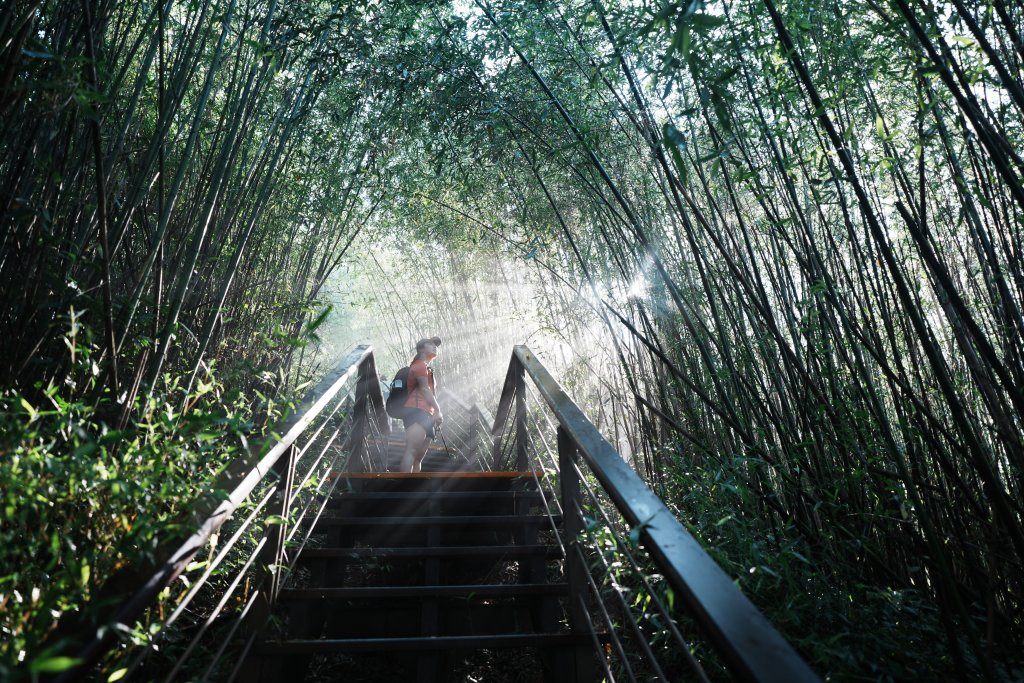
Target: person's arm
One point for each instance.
(424, 390)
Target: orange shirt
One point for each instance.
(419, 369)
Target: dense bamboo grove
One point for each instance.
(801, 228)
(153, 200)
(782, 239)
(178, 181)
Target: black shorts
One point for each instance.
(415, 416)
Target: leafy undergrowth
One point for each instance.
(847, 628)
(82, 500)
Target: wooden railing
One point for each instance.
(225, 599)
(634, 571)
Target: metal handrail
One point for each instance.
(748, 644)
(276, 460)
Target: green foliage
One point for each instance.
(786, 232)
(882, 632)
(83, 500)
(771, 233)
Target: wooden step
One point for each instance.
(404, 619)
(503, 641)
(441, 502)
(434, 481)
(340, 474)
(471, 591)
(444, 520)
(502, 551)
(532, 494)
(399, 441)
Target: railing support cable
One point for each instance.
(213, 615)
(576, 569)
(521, 437)
(211, 511)
(616, 642)
(638, 570)
(279, 533)
(222, 552)
(749, 645)
(609, 677)
(626, 615)
(501, 414)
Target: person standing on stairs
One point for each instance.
(423, 414)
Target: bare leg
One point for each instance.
(415, 446)
(417, 465)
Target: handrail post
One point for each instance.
(273, 552)
(749, 646)
(281, 507)
(357, 443)
(522, 456)
(375, 395)
(576, 577)
(514, 380)
(272, 561)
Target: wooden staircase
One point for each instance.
(428, 577)
(452, 574)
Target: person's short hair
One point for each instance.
(436, 341)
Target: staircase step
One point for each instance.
(399, 450)
(459, 591)
(512, 640)
(401, 482)
(394, 460)
(550, 552)
(403, 619)
(399, 443)
(433, 495)
(395, 467)
(438, 505)
(438, 475)
(441, 502)
(452, 520)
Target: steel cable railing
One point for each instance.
(203, 628)
(610, 579)
(509, 450)
(374, 451)
(483, 440)
(320, 455)
(638, 581)
(608, 551)
(195, 588)
(547, 461)
(610, 613)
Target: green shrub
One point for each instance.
(82, 500)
